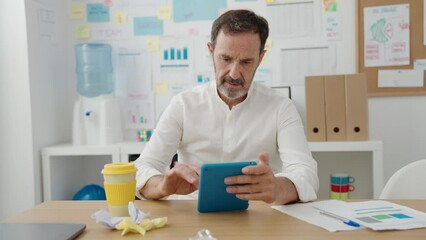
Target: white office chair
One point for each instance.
(407, 183)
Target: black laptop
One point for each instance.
(40, 231)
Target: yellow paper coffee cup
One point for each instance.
(120, 187)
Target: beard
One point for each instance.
(230, 92)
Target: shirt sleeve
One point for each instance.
(298, 164)
(157, 155)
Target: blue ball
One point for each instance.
(90, 192)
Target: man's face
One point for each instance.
(235, 58)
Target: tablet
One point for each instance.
(212, 195)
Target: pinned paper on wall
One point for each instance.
(294, 19)
(140, 112)
(330, 5)
(333, 26)
(152, 44)
(263, 76)
(161, 88)
(176, 54)
(108, 3)
(77, 11)
(195, 10)
(400, 78)
(204, 77)
(120, 17)
(97, 12)
(164, 12)
(387, 35)
(133, 73)
(420, 64)
(47, 23)
(143, 26)
(83, 32)
(298, 62)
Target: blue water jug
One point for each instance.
(94, 69)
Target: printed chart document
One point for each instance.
(376, 215)
(387, 35)
(380, 215)
(309, 212)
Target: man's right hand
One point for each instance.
(182, 179)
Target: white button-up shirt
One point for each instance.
(201, 128)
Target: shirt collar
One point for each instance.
(213, 87)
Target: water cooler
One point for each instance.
(96, 118)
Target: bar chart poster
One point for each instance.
(175, 55)
(140, 113)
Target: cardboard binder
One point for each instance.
(315, 108)
(335, 107)
(356, 107)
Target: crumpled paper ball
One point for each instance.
(138, 222)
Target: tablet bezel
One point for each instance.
(212, 195)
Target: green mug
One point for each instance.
(337, 195)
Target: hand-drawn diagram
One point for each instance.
(387, 35)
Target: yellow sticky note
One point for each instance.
(83, 32)
(268, 44)
(161, 88)
(77, 12)
(152, 44)
(269, 1)
(265, 59)
(164, 12)
(120, 17)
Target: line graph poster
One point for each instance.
(387, 35)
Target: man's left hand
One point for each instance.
(259, 183)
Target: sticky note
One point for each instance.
(77, 12)
(268, 44)
(108, 3)
(152, 44)
(164, 12)
(120, 17)
(83, 32)
(269, 1)
(161, 88)
(97, 12)
(147, 26)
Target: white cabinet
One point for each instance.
(67, 168)
(349, 155)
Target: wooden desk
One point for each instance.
(258, 222)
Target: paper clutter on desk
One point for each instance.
(138, 222)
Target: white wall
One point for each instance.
(16, 149)
(35, 97)
(400, 122)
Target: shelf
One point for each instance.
(59, 160)
(352, 146)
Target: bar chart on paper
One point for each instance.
(140, 114)
(380, 215)
(175, 55)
